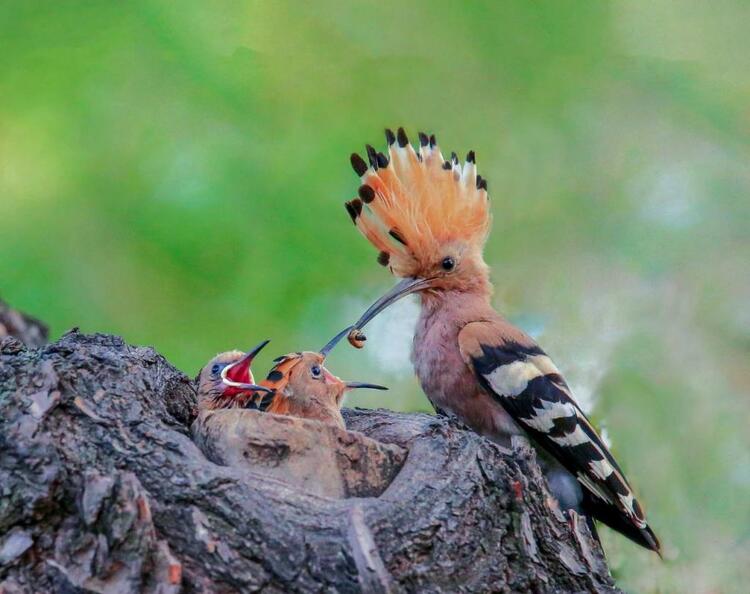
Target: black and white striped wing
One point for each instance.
(528, 385)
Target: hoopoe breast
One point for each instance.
(449, 383)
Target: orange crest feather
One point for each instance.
(411, 204)
(278, 379)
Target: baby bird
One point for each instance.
(227, 381)
(303, 387)
(304, 452)
(226, 387)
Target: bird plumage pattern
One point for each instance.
(429, 218)
(410, 203)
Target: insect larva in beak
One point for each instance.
(356, 338)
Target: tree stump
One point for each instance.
(102, 489)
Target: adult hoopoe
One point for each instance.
(429, 218)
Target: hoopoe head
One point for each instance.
(301, 378)
(428, 216)
(227, 381)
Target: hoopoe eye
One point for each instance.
(448, 263)
(316, 371)
(215, 369)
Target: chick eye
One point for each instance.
(216, 368)
(448, 263)
(315, 370)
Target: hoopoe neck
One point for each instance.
(460, 303)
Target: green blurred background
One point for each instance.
(175, 172)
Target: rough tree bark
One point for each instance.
(103, 490)
(28, 330)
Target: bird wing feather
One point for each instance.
(517, 373)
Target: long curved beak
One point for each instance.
(401, 289)
(334, 341)
(233, 375)
(355, 385)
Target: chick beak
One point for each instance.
(401, 289)
(355, 385)
(234, 375)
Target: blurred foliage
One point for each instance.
(175, 172)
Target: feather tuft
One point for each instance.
(411, 209)
(358, 164)
(366, 193)
(397, 236)
(372, 156)
(403, 140)
(351, 211)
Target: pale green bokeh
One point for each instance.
(175, 172)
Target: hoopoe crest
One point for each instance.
(422, 212)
